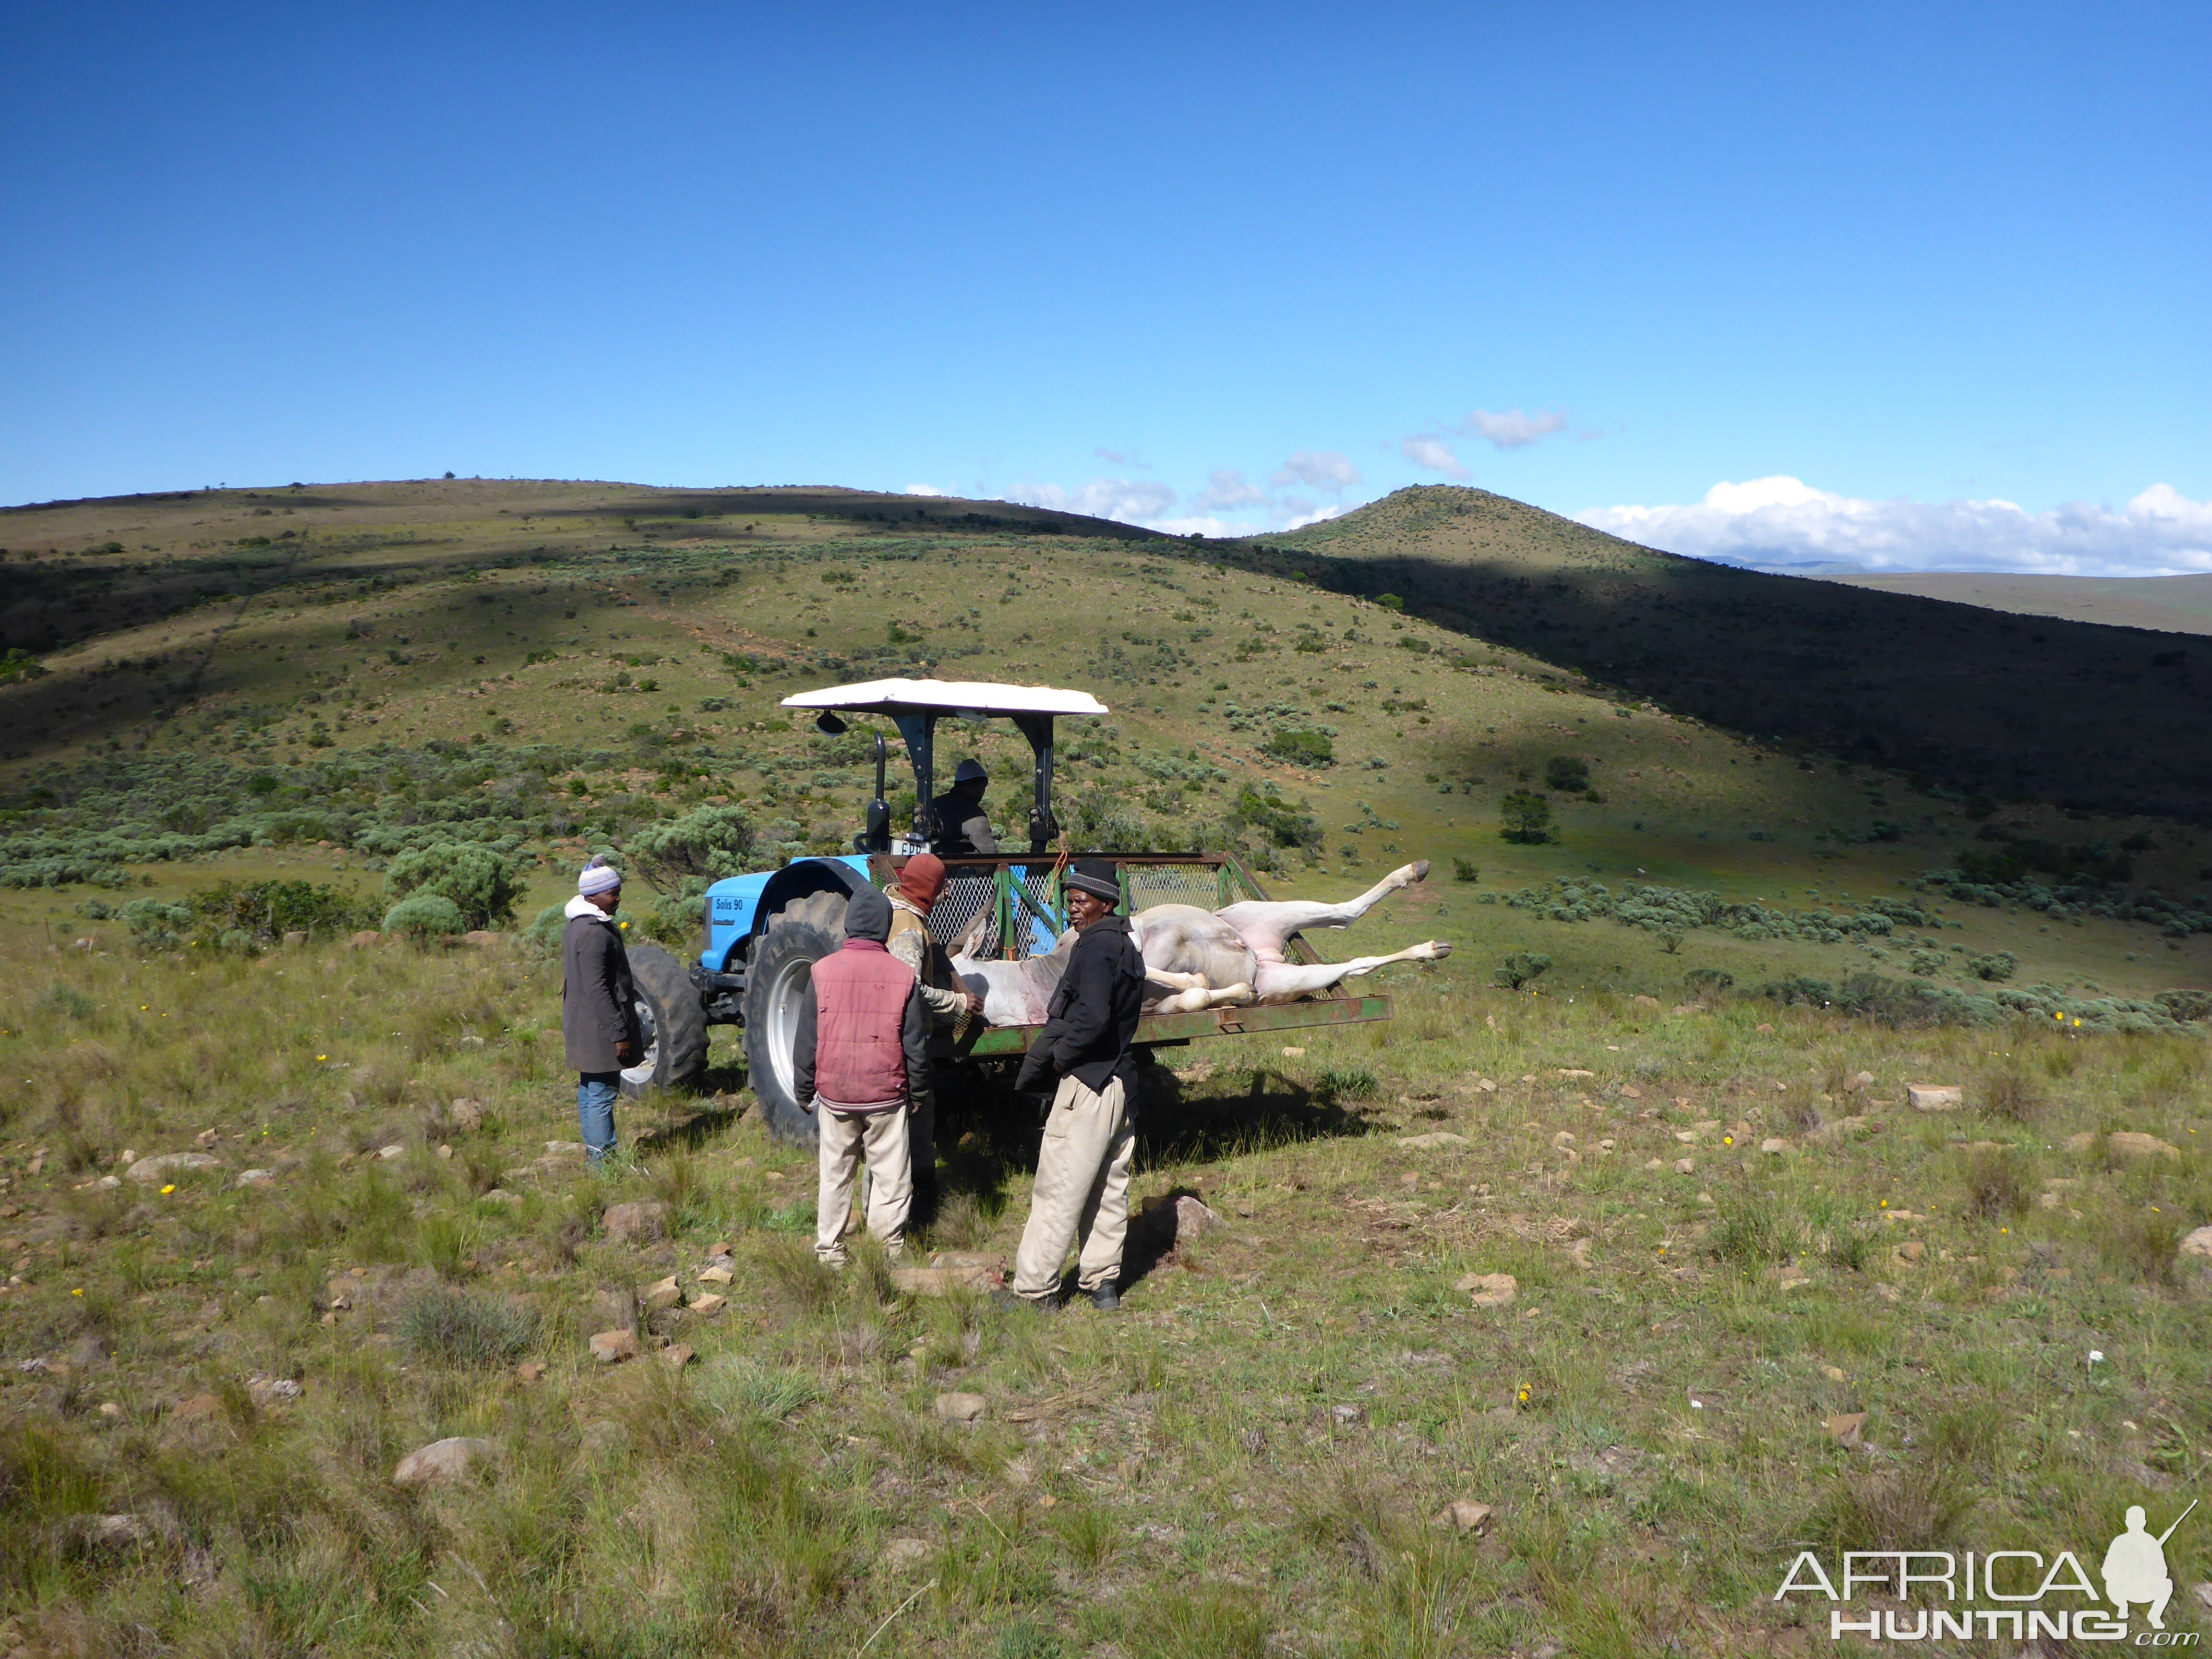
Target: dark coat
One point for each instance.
(598, 1003)
(964, 828)
(1092, 1017)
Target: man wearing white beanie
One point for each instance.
(598, 1003)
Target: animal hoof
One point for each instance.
(1420, 870)
(1441, 948)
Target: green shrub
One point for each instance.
(1462, 869)
(479, 882)
(1708, 982)
(708, 842)
(1517, 969)
(1567, 775)
(1349, 1083)
(2000, 965)
(425, 916)
(1525, 817)
(1284, 825)
(1301, 747)
(270, 909)
(154, 924)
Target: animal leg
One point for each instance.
(1287, 982)
(1195, 995)
(1265, 924)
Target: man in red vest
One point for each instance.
(862, 1059)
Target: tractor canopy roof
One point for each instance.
(956, 697)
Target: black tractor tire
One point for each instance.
(672, 1020)
(778, 975)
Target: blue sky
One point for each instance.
(1912, 285)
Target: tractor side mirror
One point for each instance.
(828, 725)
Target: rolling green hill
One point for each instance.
(313, 681)
(2170, 604)
(2087, 717)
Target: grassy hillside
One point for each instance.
(544, 668)
(1728, 1234)
(2172, 605)
(2092, 718)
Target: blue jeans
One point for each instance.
(595, 1111)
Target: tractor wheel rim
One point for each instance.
(642, 1072)
(786, 991)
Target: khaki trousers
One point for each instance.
(1082, 1188)
(847, 1141)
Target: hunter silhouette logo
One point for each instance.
(2135, 1567)
(2029, 1593)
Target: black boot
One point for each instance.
(1108, 1296)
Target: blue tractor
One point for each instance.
(765, 931)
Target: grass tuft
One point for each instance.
(1999, 1182)
(2008, 1091)
(453, 1328)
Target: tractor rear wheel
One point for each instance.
(671, 1019)
(779, 976)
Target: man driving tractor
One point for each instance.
(964, 828)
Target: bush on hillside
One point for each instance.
(707, 843)
(1465, 870)
(1525, 817)
(425, 916)
(1284, 825)
(1517, 969)
(1567, 775)
(1302, 747)
(480, 883)
(156, 924)
(267, 910)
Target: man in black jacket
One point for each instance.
(1083, 1165)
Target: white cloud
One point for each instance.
(1205, 523)
(1309, 513)
(1226, 489)
(1120, 458)
(1317, 468)
(1432, 455)
(1139, 501)
(1512, 429)
(926, 489)
(1781, 523)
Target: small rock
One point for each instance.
(1187, 1218)
(501, 1196)
(1774, 1145)
(901, 1554)
(717, 1274)
(1910, 1251)
(148, 1169)
(1630, 1091)
(1487, 1086)
(1833, 1373)
(1654, 1163)
(1347, 1416)
(86, 1352)
(1465, 1516)
(1642, 1002)
(1433, 1139)
(1686, 1166)
(1562, 1140)
(1294, 1054)
(1844, 1428)
(481, 938)
(1573, 1072)
(1860, 1080)
(394, 1151)
(564, 1149)
(642, 1222)
(612, 1347)
(530, 1370)
(666, 1294)
(367, 936)
(1763, 1029)
(207, 1138)
(257, 1178)
(443, 1460)
(961, 1407)
(2126, 1143)
(113, 1532)
(1935, 1096)
(201, 1408)
(2197, 1243)
(678, 1355)
(268, 1392)
(1489, 1290)
(1254, 1441)
(466, 1114)
(707, 1304)
(109, 1408)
